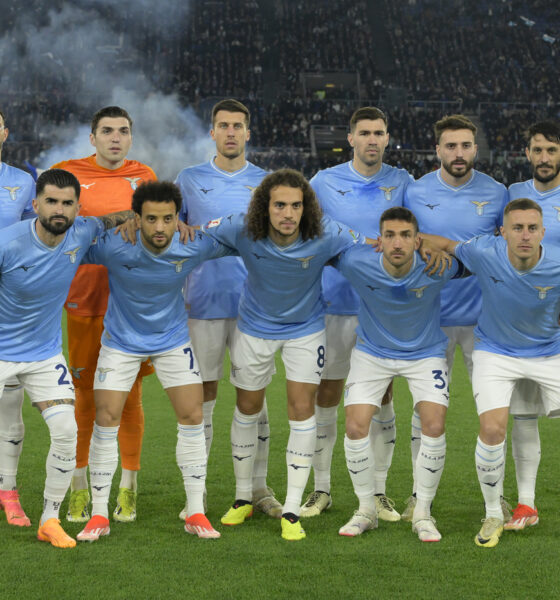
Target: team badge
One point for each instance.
(234, 370)
(76, 372)
(557, 212)
(480, 207)
(387, 192)
(102, 373)
(13, 191)
(178, 264)
(213, 223)
(543, 291)
(72, 254)
(419, 291)
(305, 261)
(133, 181)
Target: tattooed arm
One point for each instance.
(117, 218)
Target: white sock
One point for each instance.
(383, 436)
(79, 479)
(429, 467)
(490, 468)
(415, 437)
(299, 457)
(326, 438)
(243, 450)
(207, 412)
(526, 448)
(12, 431)
(103, 461)
(129, 479)
(359, 460)
(260, 467)
(61, 459)
(191, 459)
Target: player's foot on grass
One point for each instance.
(507, 511)
(51, 531)
(490, 533)
(359, 523)
(265, 502)
(241, 510)
(426, 530)
(97, 526)
(408, 512)
(125, 511)
(315, 504)
(523, 516)
(184, 513)
(291, 527)
(78, 511)
(15, 515)
(199, 525)
(386, 508)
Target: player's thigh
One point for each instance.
(209, 338)
(305, 358)
(368, 379)
(8, 374)
(48, 379)
(494, 377)
(526, 399)
(252, 361)
(340, 339)
(177, 367)
(116, 370)
(545, 373)
(427, 380)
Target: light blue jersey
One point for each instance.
(34, 284)
(17, 190)
(357, 201)
(281, 297)
(398, 318)
(146, 311)
(519, 309)
(458, 213)
(548, 201)
(214, 288)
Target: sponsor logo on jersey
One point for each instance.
(388, 192)
(204, 191)
(13, 191)
(72, 254)
(133, 181)
(213, 223)
(419, 291)
(305, 261)
(480, 207)
(343, 192)
(543, 291)
(178, 264)
(87, 185)
(102, 373)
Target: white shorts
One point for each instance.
(463, 336)
(341, 338)
(117, 370)
(370, 376)
(526, 399)
(495, 376)
(209, 338)
(43, 380)
(252, 359)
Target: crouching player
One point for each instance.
(398, 334)
(146, 317)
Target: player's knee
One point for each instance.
(492, 432)
(433, 427)
(355, 429)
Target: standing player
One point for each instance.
(543, 152)
(284, 244)
(107, 180)
(17, 190)
(459, 202)
(38, 260)
(517, 337)
(146, 317)
(398, 334)
(210, 190)
(355, 193)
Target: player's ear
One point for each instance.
(35, 205)
(502, 230)
(6, 133)
(417, 241)
(92, 139)
(138, 220)
(350, 139)
(248, 137)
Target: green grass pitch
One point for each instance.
(154, 558)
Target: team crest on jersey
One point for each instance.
(13, 191)
(178, 264)
(72, 254)
(102, 373)
(133, 181)
(480, 207)
(76, 372)
(213, 223)
(557, 212)
(543, 291)
(419, 291)
(305, 261)
(387, 191)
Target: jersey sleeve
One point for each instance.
(28, 212)
(210, 248)
(182, 182)
(98, 249)
(225, 229)
(468, 252)
(342, 237)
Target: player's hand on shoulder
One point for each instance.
(437, 261)
(374, 243)
(186, 232)
(128, 230)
